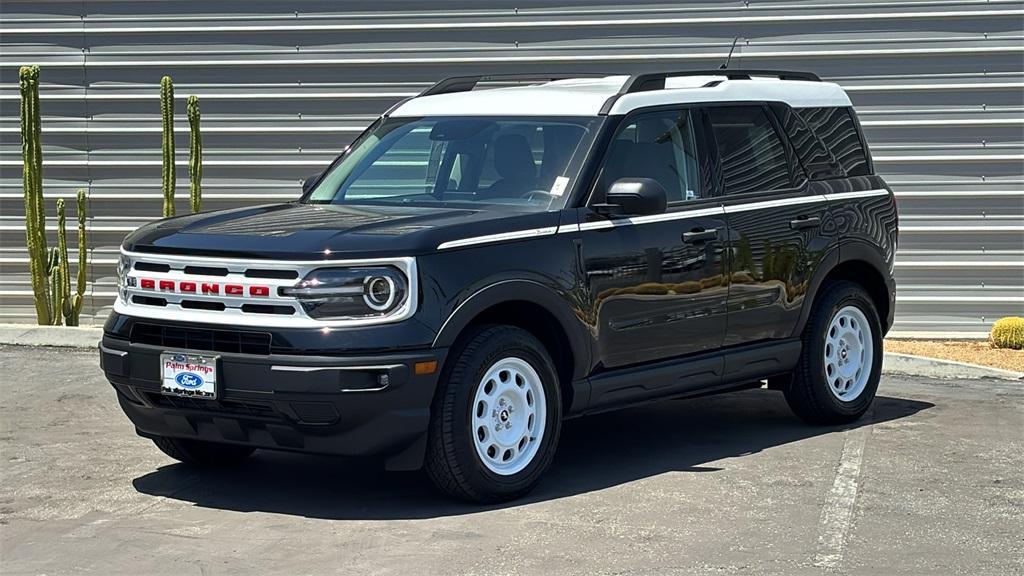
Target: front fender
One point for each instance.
(513, 290)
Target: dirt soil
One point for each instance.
(971, 352)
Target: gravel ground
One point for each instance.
(930, 482)
(971, 352)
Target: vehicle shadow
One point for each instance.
(595, 452)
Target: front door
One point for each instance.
(657, 284)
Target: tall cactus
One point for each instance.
(195, 155)
(32, 183)
(167, 115)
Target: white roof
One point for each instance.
(586, 96)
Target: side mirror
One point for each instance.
(634, 197)
(308, 183)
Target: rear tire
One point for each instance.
(200, 453)
(839, 368)
(496, 417)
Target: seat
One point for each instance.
(513, 161)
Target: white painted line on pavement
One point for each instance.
(837, 514)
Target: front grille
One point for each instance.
(215, 287)
(258, 409)
(229, 341)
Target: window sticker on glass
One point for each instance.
(558, 188)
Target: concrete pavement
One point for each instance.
(931, 482)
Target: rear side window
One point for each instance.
(816, 160)
(751, 154)
(836, 128)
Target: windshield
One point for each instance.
(519, 163)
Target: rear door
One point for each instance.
(776, 222)
(657, 283)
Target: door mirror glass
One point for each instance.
(635, 197)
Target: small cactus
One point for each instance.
(62, 304)
(73, 303)
(195, 155)
(1008, 333)
(83, 257)
(167, 149)
(32, 183)
(54, 289)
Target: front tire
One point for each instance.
(837, 376)
(204, 454)
(496, 417)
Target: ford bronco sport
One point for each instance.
(482, 264)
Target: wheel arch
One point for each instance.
(537, 309)
(863, 265)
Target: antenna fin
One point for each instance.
(728, 58)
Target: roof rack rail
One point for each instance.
(467, 83)
(656, 80)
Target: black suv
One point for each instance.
(480, 265)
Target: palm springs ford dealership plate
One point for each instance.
(190, 375)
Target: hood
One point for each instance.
(294, 231)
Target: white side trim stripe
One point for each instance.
(665, 217)
(852, 195)
(775, 203)
(503, 236)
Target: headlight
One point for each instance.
(124, 266)
(339, 293)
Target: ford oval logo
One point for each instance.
(189, 380)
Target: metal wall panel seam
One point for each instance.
(513, 24)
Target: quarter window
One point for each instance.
(751, 154)
(817, 161)
(656, 145)
(837, 130)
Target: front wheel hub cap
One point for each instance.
(509, 415)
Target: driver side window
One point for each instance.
(658, 145)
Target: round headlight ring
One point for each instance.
(379, 292)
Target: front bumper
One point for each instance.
(344, 405)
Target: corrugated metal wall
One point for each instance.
(284, 85)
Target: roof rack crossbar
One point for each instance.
(656, 80)
(467, 83)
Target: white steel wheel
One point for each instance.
(509, 416)
(849, 353)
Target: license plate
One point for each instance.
(191, 375)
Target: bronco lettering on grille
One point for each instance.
(206, 288)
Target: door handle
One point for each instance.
(700, 235)
(801, 223)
